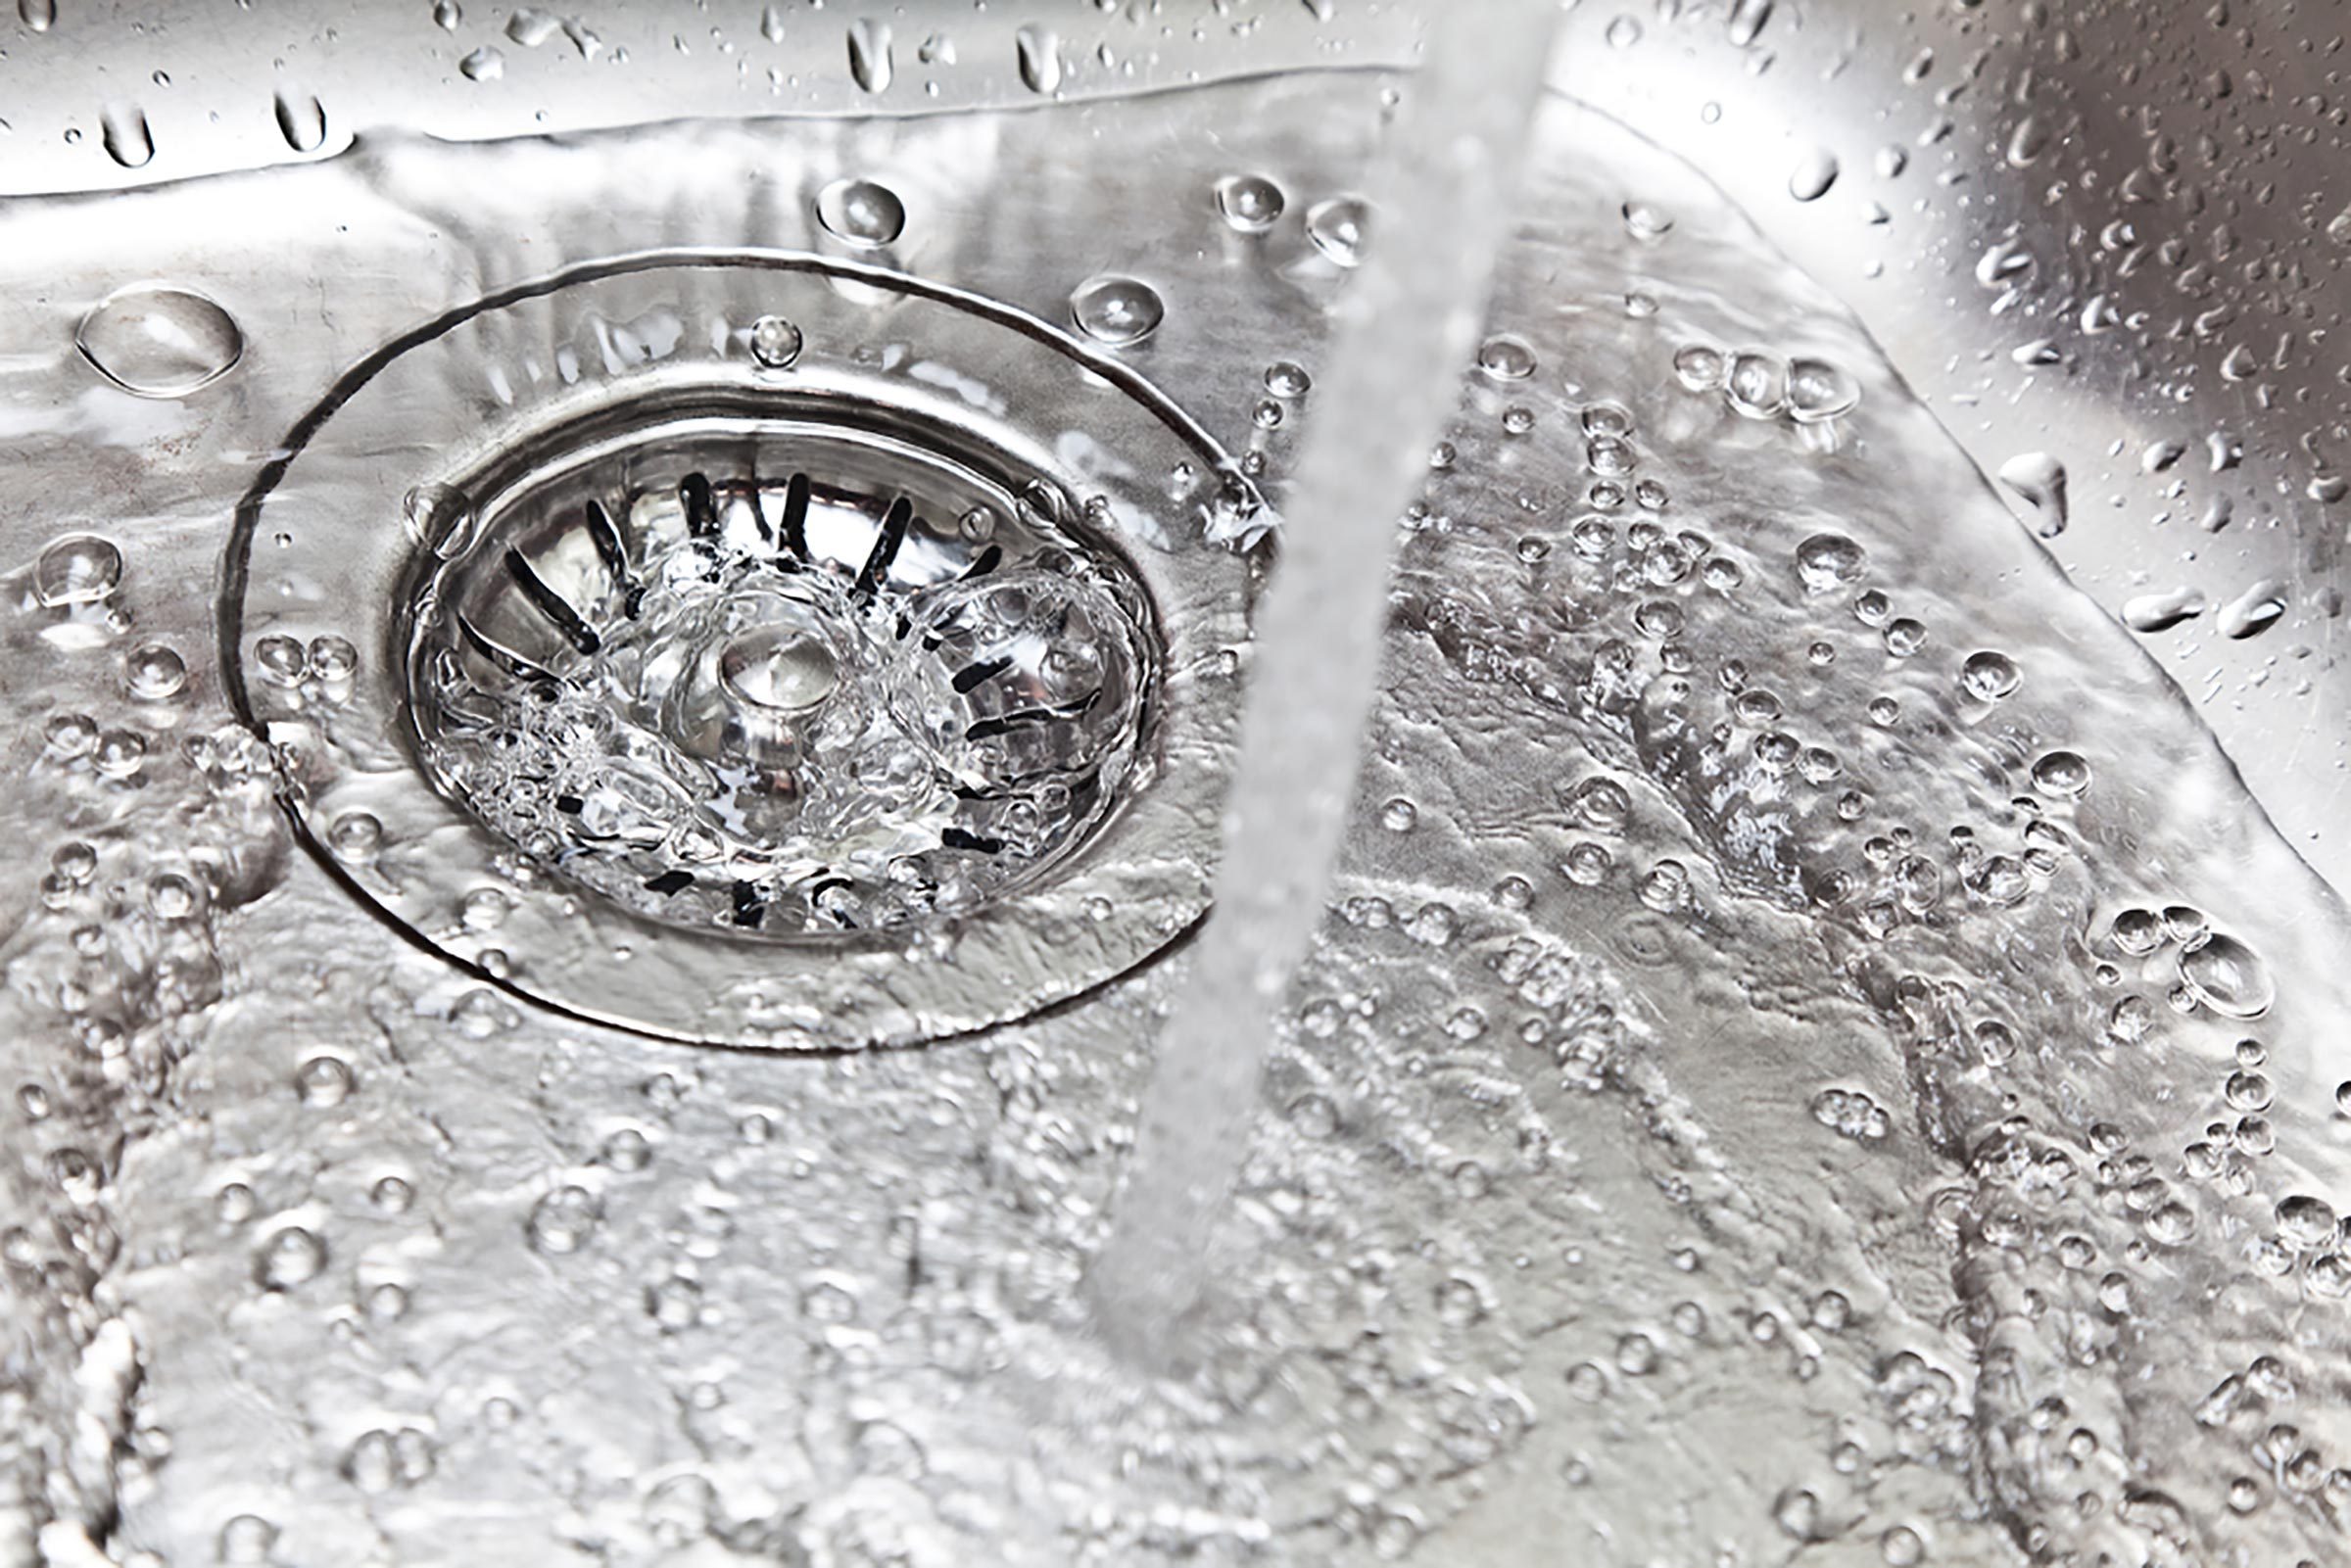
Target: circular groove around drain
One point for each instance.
(797, 700)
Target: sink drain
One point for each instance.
(757, 649)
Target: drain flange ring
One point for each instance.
(863, 694)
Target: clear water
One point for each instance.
(1812, 1054)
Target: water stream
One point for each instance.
(1411, 314)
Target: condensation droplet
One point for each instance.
(38, 15)
(486, 63)
(159, 341)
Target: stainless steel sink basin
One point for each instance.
(627, 629)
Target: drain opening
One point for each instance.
(862, 694)
(781, 677)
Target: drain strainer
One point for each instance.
(753, 649)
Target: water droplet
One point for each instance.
(1039, 57)
(1826, 562)
(290, 1257)
(869, 54)
(119, 754)
(440, 518)
(1340, 228)
(1286, 378)
(38, 15)
(2255, 610)
(356, 836)
(1756, 384)
(77, 569)
(1250, 203)
(1903, 1547)
(1116, 311)
(324, 1081)
(333, 658)
(1506, 358)
(1647, 224)
(2305, 1221)
(246, 1540)
(2228, 976)
(1748, 18)
(123, 129)
(1818, 391)
(861, 212)
(1698, 367)
(2002, 263)
(530, 26)
(486, 63)
(1989, 675)
(154, 672)
(2064, 775)
(1813, 175)
(774, 342)
(448, 15)
(562, 1222)
(1623, 32)
(2040, 479)
(160, 341)
(301, 119)
(2028, 142)
(2160, 612)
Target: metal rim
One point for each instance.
(320, 552)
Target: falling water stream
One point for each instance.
(1411, 314)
